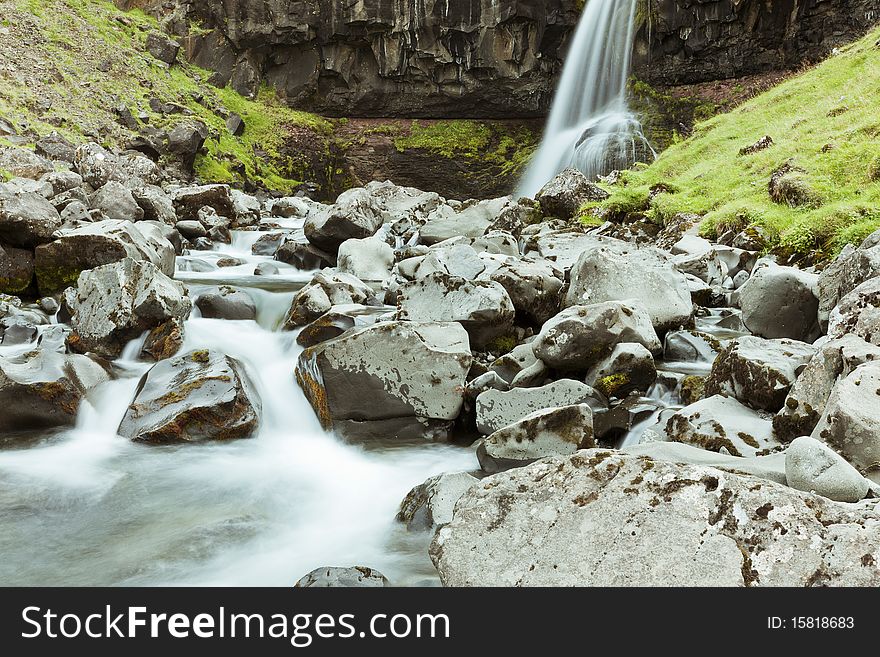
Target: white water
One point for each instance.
(86, 507)
(590, 126)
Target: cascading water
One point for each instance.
(591, 127)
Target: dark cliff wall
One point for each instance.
(417, 58)
(687, 41)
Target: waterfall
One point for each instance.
(591, 127)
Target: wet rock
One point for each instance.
(496, 409)
(690, 347)
(722, 424)
(59, 263)
(191, 229)
(42, 389)
(163, 341)
(858, 313)
(266, 269)
(196, 397)
(781, 302)
(26, 219)
(304, 256)
(116, 303)
(483, 308)
(333, 577)
(758, 372)
(355, 215)
(227, 303)
(580, 336)
(328, 326)
(471, 220)
(613, 424)
(520, 367)
(813, 467)
(117, 202)
(369, 259)
(548, 432)
(852, 415)
(245, 209)
(643, 522)
(564, 195)
(16, 269)
(533, 286)
(16, 331)
(326, 289)
(708, 267)
(806, 400)
(628, 368)
(408, 377)
(267, 245)
(162, 47)
(429, 505)
(618, 271)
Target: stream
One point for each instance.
(85, 507)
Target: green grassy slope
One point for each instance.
(824, 122)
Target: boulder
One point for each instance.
(303, 256)
(26, 219)
(195, 397)
(563, 196)
(162, 47)
(188, 201)
(690, 347)
(369, 259)
(549, 432)
(496, 409)
(852, 415)
(191, 229)
(22, 162)
(116, 201)
(599, 518)
(116, 303)
(403, 379)
(520, 367)
(96, 165)
(55, 147)
(155, 203)
(430, 505)
(227, 303)
(813, 467)
(471, 220)
(781, 302)
(349, 578)
(483, 308)
(326, 289)
(186, 140)
(533, 286)
(758, 372)
(707, 267)
(59, 263)
(245, 209)
(16, 269)
(355, 215)
(564, 247)
(460, 260)
(628, 368)
(858, 313)
(806, 400)
(619, 271)
(722, 424)
(580, 336)
(42, 389)
(850, 269)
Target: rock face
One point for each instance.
(684, 42)
(476, 58)
(116, 303)
(610, 519)
(42, 389)
(393, 379)
(199, 396)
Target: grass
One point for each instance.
(825, 122)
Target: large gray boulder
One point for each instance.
(16, 269)
(59, 263)
(534, 287)
(599, 518)
(392, 379)
(851, 418)
(813, 467)
(628, 368)
(460, 260)
(369, 259)
(116, 201)
(96, 165)
(42, 389)
(26, 219)
(548, 432)
(618, 271)
(850, 269)
(227, 303)
(758, 372)
(155, 203)
(188, 201)
(496, 409)
(806, 400)
(483, 308)
(23, 163)
(580, 336)
(116, 303)
(722, 424)
(429, 505)
(564, 195)
(195, 397)
(355, 215)
(472, 220)
(326, 289)
(858, 313)
(781, 302)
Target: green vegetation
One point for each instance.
(825, 125)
